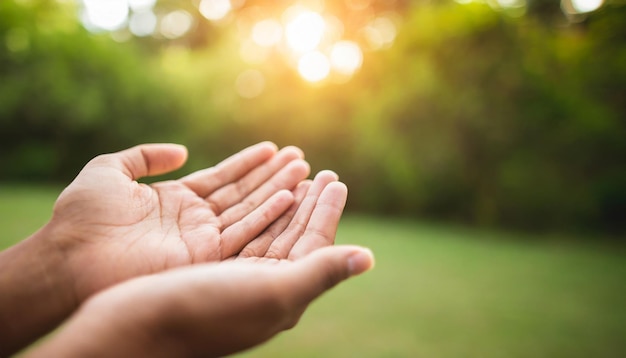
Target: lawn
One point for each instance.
(439, 291)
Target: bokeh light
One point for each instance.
(142, 23)
(358, 5)
(314, 66)
(108, 15)
(583, 6)
(215, 10)
(267, 33)
(250, 84)
(176, 24)
(380, 33)
(304, 31)
(252, 53)
(346, 57)
(577, 10)
(306, 35)
(141, 5)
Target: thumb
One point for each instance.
(146, 159)
(324, 268)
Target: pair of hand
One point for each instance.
(250, 224)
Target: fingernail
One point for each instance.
(360, 261)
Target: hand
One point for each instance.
(107, 227)
(111, 228)
(221, 308)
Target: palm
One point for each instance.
(172, 227)
(211, 215)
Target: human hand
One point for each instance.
(111, 228)
(208, 310)
(221, 308)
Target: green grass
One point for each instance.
(439, 291)
(23, 209)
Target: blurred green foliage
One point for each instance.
(66, 95)
(472, 116)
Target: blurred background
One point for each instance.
(480, 141)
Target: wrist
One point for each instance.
(111, 324)
(37, 293)
(55, 264)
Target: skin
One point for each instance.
(207, 216)
(106, 228)
(217, 309)
(207, 265)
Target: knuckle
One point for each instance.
(248, 252)
(241, 188)
(273, 253)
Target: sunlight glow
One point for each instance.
(306, 34)
(250, 84)
(267, 33)
(106, 15)
(141, 5)
(346, 57)
(380, 33)
(358, 5)
(252, 53)
(314, 66)
(142, 23)
(176, 24)
(305, 31)
(583, 6)
(215, 10)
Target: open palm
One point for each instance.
(114, 228)
(220, 308)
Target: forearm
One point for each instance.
(36, 293)
(102, 329)
(89, 337)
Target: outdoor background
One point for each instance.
(483, 144)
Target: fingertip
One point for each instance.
(335, 192)
(295, 150)
(178, 154)
(281, 200)
(329, 174)
(149, 159)
(180, 147)
(360, 261)
(337, 186)
(307, 167)
(303, 186)
(284, 194)
(326, 267)
(183, 151)
(301, 167)
(268, 144)
(264, 150)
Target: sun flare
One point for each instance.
(314, 66)
(305, 31)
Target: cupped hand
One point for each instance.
(110, 227)
(220, 308)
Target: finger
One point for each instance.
(206, 181)
(144, 160)
(322, 226)
(235, 237)
(235, 192)
(325, 268)
(280, 248)
(258, 247)
(287, 178)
